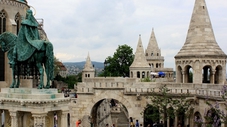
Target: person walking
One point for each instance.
(78, 122)
(137, 123)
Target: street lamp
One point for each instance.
(105, 64)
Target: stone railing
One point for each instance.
(142, 88)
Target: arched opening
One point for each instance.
(138, 74)
(179, 75)
(207, 74)
(156, 65)
(108, 111)
(151, 115)
(218, 75)
(181, 117)
(171, 118)
(198, 119)
(188, 75)
(3, 24)
(68, 120)
(18, 21)
(212, 117)
(143, 74)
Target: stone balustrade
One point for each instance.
(133, 86)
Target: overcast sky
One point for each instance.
(76, 27)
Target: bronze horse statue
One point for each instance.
(39, 58)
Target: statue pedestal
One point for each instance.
(31, 106)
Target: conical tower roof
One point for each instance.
(200, 39)
(88, 65)
(152, 45)
(139, 60)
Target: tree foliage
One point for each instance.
(119, 63)
(167, 104)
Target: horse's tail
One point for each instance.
(49, 63)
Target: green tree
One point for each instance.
(119, 63)
(166, 102)
(56, 67)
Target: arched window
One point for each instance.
(152, 54)
(18, 21)
(2, 21)
(2, 54)
(157, 54)
(146, 54)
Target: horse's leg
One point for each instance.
(40, 67)
(48, 77)
(18, 77)
(13, 74)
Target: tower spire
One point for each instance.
(139, 60)
(200, 39)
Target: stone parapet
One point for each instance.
(28, 93)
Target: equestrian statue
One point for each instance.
(27, 50)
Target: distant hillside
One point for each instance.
(81, 64)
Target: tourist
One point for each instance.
(78, 122)
(137, 123)
(148, 125)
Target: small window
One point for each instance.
(151, 54)
(146, 54)
(157, 54)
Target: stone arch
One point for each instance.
(171, 120)
(18, 21)
(98, 100)
(188, 74)
(212, 115)
(198, 120)
(112, 95)
(137, 74)
(3, 28)
(149, 109)
(143, 74)
(207, 71)
(218, 74)
(179, 74)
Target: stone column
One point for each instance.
(183, 75)
(175, 120)
(14, 118)
(39, 119)
(64, 120)
(212, 77)
(1, 111)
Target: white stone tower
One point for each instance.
(139, 67)
(88, 71)
(200, 60)
(153, 53)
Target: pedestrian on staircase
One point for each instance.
(137, 123)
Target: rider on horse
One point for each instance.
(28, 39)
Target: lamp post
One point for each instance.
(105, 64)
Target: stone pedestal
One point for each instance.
(30, 106)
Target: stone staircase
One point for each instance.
(119, 119)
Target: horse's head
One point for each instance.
(7, 41)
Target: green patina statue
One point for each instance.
(27, 50)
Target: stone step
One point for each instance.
(122, 119)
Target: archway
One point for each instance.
(171, 118)
(151, 115)
(181, 117)
(212, 117)
(179, 75)
(198, 119)
(218, 75)
(207, 74)
(108, 111)
(188, 77)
